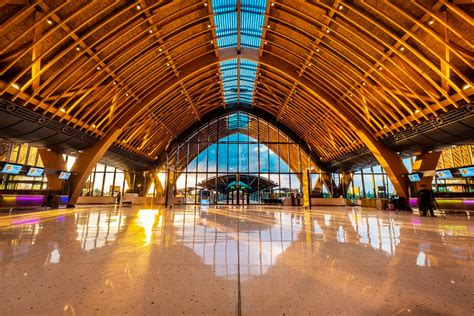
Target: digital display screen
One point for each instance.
(466, 172)
(35, 172)
(414, 177)
(444, 174)
(64, 175)
(11, 169)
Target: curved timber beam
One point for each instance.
(389, 160)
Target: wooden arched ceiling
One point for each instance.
(153, 66)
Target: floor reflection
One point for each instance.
(132, 254)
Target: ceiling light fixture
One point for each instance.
(150, 31)
(98, 68)
(50, 22)
(16, 86)
(466, 86)
(78, 48)
(431, 22)
(138, 7)
(402, 48)
(341, 7)
(62, 110)
(380, 68)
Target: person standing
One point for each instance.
(425, 200)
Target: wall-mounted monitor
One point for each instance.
(466, 172)
(35, 172)
(444, 174)
(64, 175)
(11, 168)
(415, 177)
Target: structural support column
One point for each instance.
(87, 161)
(53, 160)
(426, 162)
(328, 180)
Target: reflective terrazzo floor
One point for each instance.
(225, 261)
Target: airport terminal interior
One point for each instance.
(236, 157)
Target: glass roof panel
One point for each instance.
(239, 88)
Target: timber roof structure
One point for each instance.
(154, 68)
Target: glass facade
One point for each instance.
(240, 159)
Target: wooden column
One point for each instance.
(87, 161)
(53, 160)
(426, 162)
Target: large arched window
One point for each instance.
(239, 159)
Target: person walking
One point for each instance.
(425, 200)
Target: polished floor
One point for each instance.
(226, 261)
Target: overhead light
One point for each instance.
(93, 125)
(309, 64)
(78, 48)
(98, 68)
(115, 83)
(385, 126)
(167, 64)
(50, 22)
(211, 42)
(402, 48)
(351, 95)
(273, 4)
(150, 31)
(266, 42)
(205, 4)
(466, 86)
(79, 151)
(328, 31)
(62, 110)
(380, 68)
(430, 151)
(48, 149)
(208, 26)
(454, 146)
(16, 86)
(317, 50)
(417, 111)
(138, 7)
(126, 94)
(431, 22)
(268, 26)
(363, 83)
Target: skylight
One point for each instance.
(239, 80)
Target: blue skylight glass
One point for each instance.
(251, 20)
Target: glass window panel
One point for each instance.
(109, 184)
(356, 189)
(119, 178)
(22, 154)
(274, 162)
(233, 157)
(97, 190)
(70, 162)
(264, 167)
(14, 153)
(211, 157)
(369, 186)
(253, 158)
(100, 167)
(243, 158)
(202, 160)
(223, 148)
(32, 156)
(284, 158)
(295, 182)
(193, 148)
(407, 163)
